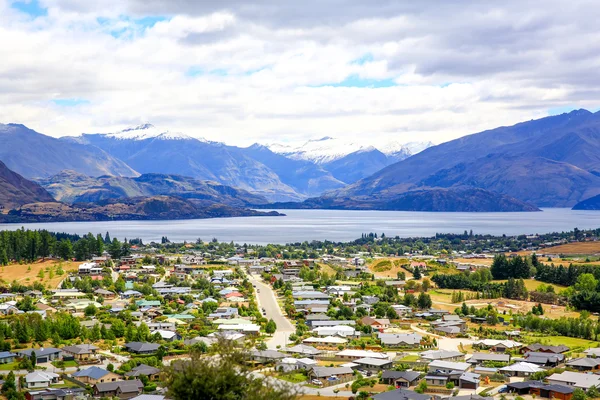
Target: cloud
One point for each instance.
(269, 70)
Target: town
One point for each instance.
(456, 316)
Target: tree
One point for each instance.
(424, 301)
(271, 327)
(586, 283)
(579, 394)
(10, 383)
(417, 273)
(225, 377)
(115, 249)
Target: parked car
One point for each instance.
(316, 382)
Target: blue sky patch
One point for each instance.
(358, 82)
(363, 59)
(198, 71)
(138, 25)
(31, 8)
(561, 110)
(74, 102)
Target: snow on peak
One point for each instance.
(149, 131)
(328, 149)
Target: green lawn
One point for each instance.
(9, 367)
(564, 340)
(411, 358)
(294, 378)
(68, 364)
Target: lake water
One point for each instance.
(335, 225)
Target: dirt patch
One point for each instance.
(389, 267)
(29, 273)
(584, 248)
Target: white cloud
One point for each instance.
(269, 70)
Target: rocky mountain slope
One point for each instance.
(16, 190)
(140, 208)
(592, 203)
(34, 155)
(72, 187)
(550, 162)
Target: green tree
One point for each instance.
(579, 394)
(271, 327)
(586, 283)
(90, 310)
(225, 377)
(424, 301)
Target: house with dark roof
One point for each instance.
(541, 389)
(121, 389)
(469, 380)
(544, 359)
(442, 355)
(93, 375)
(82, 351)
(7, 357)
(331, 375)
(141, 347)
(584, 364)
(144, 370)
(373, 364)
(400, 379)
(540, 348)
(401, 394)
(57, 394)
(265, 356)
(43, 355)
(481, 358)
(400, 340)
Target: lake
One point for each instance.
(335, 225)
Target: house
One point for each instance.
(445, 329)
(584, 364)
(43, 355)
(447, 367)
(326, 341)
(436, 379)
(120, 389)
(82, 351)
(499, 346)
(292, 364)
(400, 340)
(106, 294)
(93, 375)
(544, 359)
(350, 354)
(141, 347)
(339, 330)
(266, 356)
(57, 394)
(144, 370)
(7, 357)
(378, 324)
(404, 379)
(40, 379)
(401, 394)
(481, 358)
(374, 364)
(595, 352)
(469, 380)
(520, 369)
(442, 355)
(331, 375)
(575, 379)
(401, 309)
(8, 309)
(35, 294)
(169, 336)
(543, 349)
(303, 350)
(541, 389)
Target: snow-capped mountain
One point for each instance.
(329, 149)
(149, 131)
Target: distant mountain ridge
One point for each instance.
(72, 187)
(550, 162)
(34, 155)
(16, 190)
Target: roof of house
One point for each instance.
(80, 349)
(544, 348)
(509, 344)
(303, 349)
(272, 354)
(40, 376)
(456, 366)
(362, 354)
(323, 372)
(141, 346)
(143, 370)
(521, 367)
(538, 384)
(373, 361)
(477, 357)
(406, 375)
(401, 394)
(440, 354)
(576, 379)
(124, 386)
(470, 377)
(7, 354)
(91, 372)
(397, 338)
(584, 362)
(39, 352)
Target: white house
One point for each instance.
(40, 379)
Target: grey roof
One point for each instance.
(440, 354)
(372, 361)
(39, 352)
(576, 362)
(322, 372)
(538, 384)
(141, 346)
(272, 354)
(470, 377)
(124, 386)
(397, 338)
(406, 375)
(143, 370)
(401, 394)
(91, 372)
(318, 317)
(80, 349)
(469, 397)
(489, 357)
(303, 349)
(7, 354)
(544, 348)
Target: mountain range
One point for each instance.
(549, 162)
(16, 190)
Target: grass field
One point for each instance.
(389, 267)
(532, 284)
(294, 378)
(30, 273)
(584, 248)
(9, 366)
(563, 340)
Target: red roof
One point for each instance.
(233, 294)
(124, 267)
(96, 277)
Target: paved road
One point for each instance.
(267, 300)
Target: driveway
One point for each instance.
(266, 299)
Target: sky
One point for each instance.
(266, 71)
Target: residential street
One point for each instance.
(268, 301)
